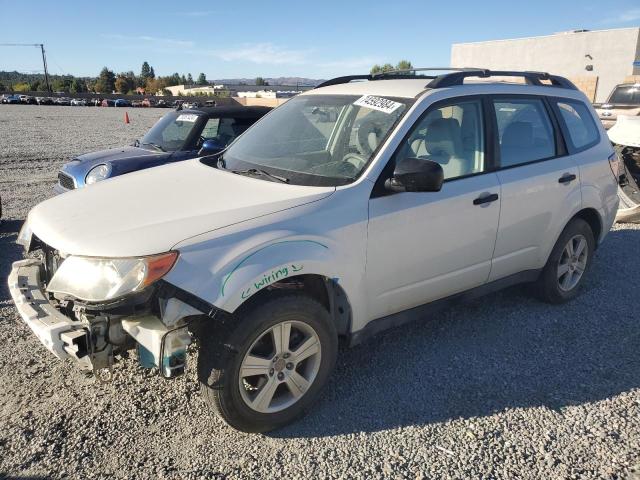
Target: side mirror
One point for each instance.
(210, 147)
(416, 175)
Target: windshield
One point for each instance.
(626, 95)
(171, 132)
(316, 139)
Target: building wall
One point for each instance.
(612, 55)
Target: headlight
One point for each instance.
(24, 237)
(98, 173)
(101, 279)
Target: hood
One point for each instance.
(122, 160)
(626, 131)
(150, 211)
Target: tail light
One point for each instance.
(615, 164)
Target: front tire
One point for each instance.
(283, 350)
(563, 275)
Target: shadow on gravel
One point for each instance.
(9, 253)
(500, 352)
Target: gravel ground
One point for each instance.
(502, 387)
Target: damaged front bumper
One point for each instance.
(91, 337)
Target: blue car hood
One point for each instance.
(122, 160)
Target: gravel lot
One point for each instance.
(502, 387)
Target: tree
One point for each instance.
(152, 73)
(387, 67)
(202, 79)
(78, 85)
(20, 87)
(183, 79)
(261, 82)
(2, 87)
(189, 79)
(122, 83)
(106, 82)
(404, 65)
(145, 71)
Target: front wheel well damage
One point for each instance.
(324, 290)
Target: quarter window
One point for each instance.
(580, 125)
(525, 131)
(451, 136)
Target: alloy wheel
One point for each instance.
(572, 263)
(280, 366)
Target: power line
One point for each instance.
(44, 58)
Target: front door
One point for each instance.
(423, 246)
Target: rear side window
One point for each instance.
(525, 131)
(582, 130)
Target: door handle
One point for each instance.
(492, 197)
(567, 178)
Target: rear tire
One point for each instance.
(256, 385)
(564, 272)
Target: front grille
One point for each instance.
(66, 181)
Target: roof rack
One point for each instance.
(531, 78)
(456, 77)
(395, 74)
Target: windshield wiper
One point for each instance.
(257, 171)
(155, 145)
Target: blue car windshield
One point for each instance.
(172, 132)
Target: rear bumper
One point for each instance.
(58, 333)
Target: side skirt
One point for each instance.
(396, 319)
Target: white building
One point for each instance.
(195, 89)
(595, 61)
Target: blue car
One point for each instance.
(179, 135)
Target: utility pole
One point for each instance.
(46, 73)
(44, 58)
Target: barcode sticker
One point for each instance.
(377, 103)
(186, 117)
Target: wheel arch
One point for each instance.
(593, 219)
(326, 291)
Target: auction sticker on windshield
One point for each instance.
(377, 103)
(186, 117)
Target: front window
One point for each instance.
(317, 139)
(172, 132)
(626, 95)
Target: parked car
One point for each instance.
(27, 100)
(163, 104)
(107, 102)
(147, 103)
(625, 136)
(9, 98)
(303, 231)
(623, 100)
(136, 104)
(63, 101)
(179, 135)
(121, 102)
(44, 100)
(191, 105)
(78, 102)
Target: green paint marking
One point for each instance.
(226, 279)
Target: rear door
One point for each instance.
(540, 183)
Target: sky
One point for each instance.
(271, 39)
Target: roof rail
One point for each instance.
(532, 78)
(395, 74)
(456, 77)
(345, 79)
